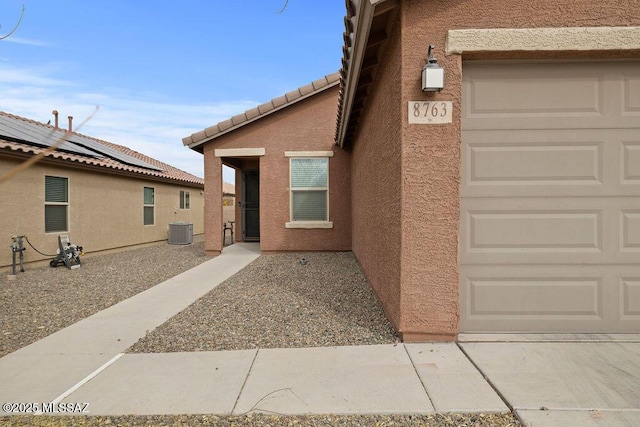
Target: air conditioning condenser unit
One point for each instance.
(180, 233)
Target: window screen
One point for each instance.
(56, 189)
(149, 208)
(56, 197)
(55, 218)
(309, 205)
(184, 200)
(309, 189)
(149, 196)
(309, 173)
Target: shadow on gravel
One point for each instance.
(278, 302)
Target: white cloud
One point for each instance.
(30, 42)
(154, 128)
(28, 78)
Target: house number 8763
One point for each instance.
(433, 109)
(430, 112)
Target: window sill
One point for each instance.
(309, 224)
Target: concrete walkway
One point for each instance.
(549, 380)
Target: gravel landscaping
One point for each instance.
(277, 301)
(43, 300)
(261, 420)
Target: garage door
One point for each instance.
(550, 209)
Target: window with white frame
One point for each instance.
(149, 206)
(184, 200)
(309, 189)
(56, 204)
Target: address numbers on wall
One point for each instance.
(430, 112)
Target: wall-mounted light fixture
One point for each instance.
(432, 74)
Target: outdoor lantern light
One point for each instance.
(432, 74)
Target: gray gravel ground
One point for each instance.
(276, 302)
(43, 300)
(261, 420)
(273, 302)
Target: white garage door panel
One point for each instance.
(590, 299)
(631, 92)
(549, 230)
(550, 207)
(533, 232)
(630, 307)
(630, 161)
(534, 96)
(557, 162)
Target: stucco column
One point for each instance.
(430, 190)
(212, 202)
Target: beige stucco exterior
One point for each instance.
(307, 125)
(377, 185)
(415, 273)
(396, 185)
(565, 39)
(105, 210)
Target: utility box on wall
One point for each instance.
(180, 233)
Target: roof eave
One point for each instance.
(89, 167)
(197, 144)
(361, 34)
(367, 10)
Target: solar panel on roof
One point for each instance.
(110, 152)
(37, 134)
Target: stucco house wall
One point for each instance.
(421, 296)
(308, 125)
(376, 185)
(106, 199)
(432, 170)
(105, 211)
(403, 180)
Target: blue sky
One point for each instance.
(161, 70)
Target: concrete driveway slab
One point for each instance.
(339, 380)
(451, 380)
(590, 376)
(42, 378)
(556, 337)
(579, 418)
(167, 383)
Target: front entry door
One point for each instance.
(251, 206)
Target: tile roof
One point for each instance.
(367, 24)
(195, 140)
(228, 189)
(101, 159)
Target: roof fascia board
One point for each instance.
(364, 19)
(384, 6)
(89, 168)
(194, 145)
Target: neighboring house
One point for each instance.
(507, 202)
(296, 132)
(228, 203)
(102, 195)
